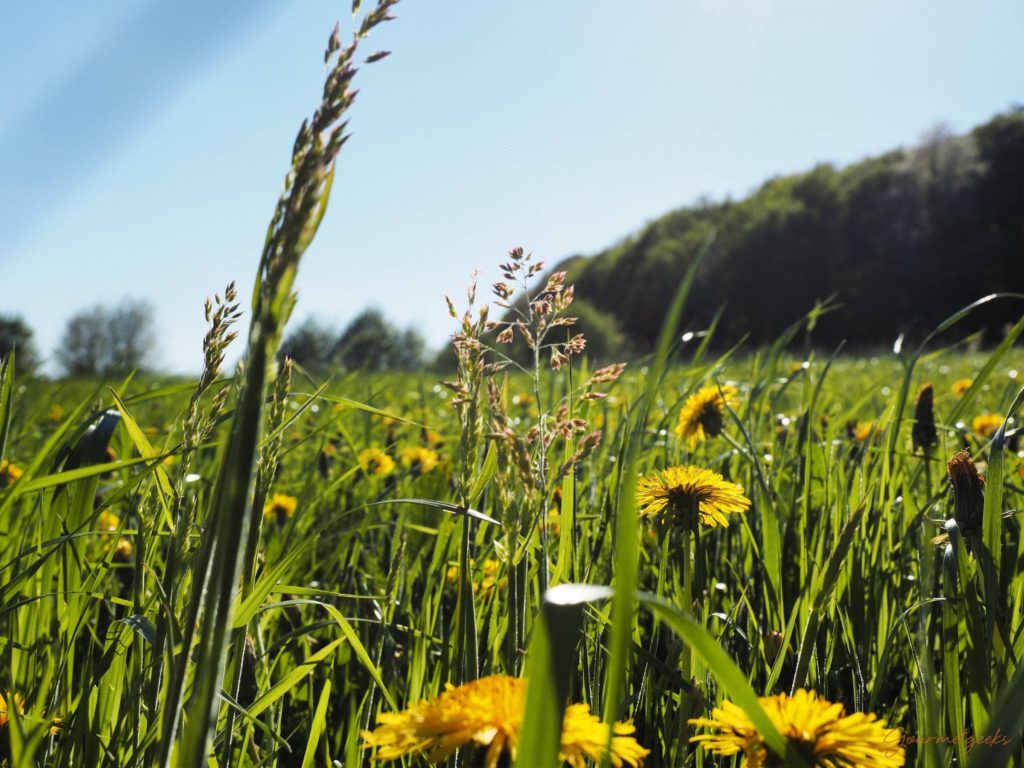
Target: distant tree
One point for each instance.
(102, 340)
(372, 343)
(311, 345)
(17, 335)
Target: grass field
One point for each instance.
(350, 597)
(261, 568)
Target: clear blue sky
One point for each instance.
(143, 143)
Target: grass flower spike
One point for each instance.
(678, 492)
(702, 415)
(820, 731)
(488, 713)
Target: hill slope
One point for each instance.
(902, 240)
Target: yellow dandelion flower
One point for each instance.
(9, 473)
(702, 413)
(56, 412)
(6, 709)
(864, 430)
(280, 506)
(489, 713)
(433, 438)
(820, 731)
(419, 459)
(675, 493)
(108, 521)
(986, 424)
(375, 462)
(124, 549)
(960, 386)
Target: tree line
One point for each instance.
(899, 241)
(114, 340)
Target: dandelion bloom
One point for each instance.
(375, 462)
(56, 412)
(677, 492)
(960, 386)
(123, 549)
(819, 730)
(108, 521)
(5, 708)
(489, 713)
(433, 438)
(986, 424)
(864, 430)
(701, 416)
(419, 459)
(280, 506)
(9, 473)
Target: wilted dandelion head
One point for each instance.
(968, 492)
(688, 495)
(702, 415)
(375, 462)
(986, 424)
(924, 434)
(819, 731)
(488, 713)
(960, 386)
(280, 506)
(418, 459)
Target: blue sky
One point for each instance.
(143, 143)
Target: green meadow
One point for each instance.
(719, 554)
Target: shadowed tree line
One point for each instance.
(901, 241)
(103, 341)
(369, 342)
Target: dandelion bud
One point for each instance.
(968, 493)
(924, 435)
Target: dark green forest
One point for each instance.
(900, 241)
